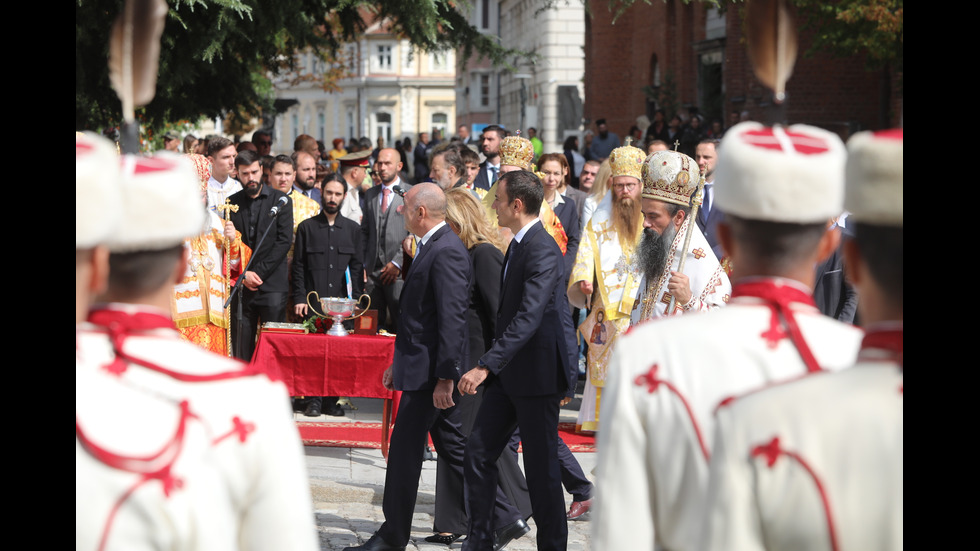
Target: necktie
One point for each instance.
(511, 251)
(385, 194)
(494, 170)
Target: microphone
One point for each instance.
(398, 189)
(279, 205)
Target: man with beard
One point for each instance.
(604, 264)
(382, 233)
(603, 143)
(490, 141)
(306, 175)
(327, 260)
(446, 168)
(266, 282)
(670, 178)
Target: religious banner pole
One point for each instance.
(226, 209)
(696, 200)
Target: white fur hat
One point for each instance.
(875, 177)
(163, 204)
(780, 174)
(98, 196)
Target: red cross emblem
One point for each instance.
(649, 379)
(770, 451)
(698, 253)
(777, 138)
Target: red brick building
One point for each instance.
(692, 54)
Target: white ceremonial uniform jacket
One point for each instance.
(195, 452)
(665, 381)
(815, 463)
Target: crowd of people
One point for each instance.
(508, 274)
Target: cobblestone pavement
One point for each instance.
(347, 485)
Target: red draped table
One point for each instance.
(323, 365)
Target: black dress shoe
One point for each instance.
(509, 533)
(334, 411)
(445, 540)
(312, 410)
(376, 544)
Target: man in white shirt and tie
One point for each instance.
(493, 135)
(706, 154)
(383, 230)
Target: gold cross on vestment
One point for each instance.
(226, 208)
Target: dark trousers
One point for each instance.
(537, 417)
(572, 476)
(384, 299)
(513, 501)
(416, 418)
(257, 307)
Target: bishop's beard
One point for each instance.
(626, 221)
(654, 250)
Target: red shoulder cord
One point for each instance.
(121, 325)
(156, 466)
(779, 297)
(771, 451)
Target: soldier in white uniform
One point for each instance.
(98, 208)
(818, 463)
(175, 447)
(781, 186)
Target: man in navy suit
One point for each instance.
(430, 350)
(706, 155)
(490, 141)
(528, 370)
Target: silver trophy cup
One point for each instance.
(338, 309)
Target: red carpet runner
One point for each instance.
(368, 435)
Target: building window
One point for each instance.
(439, 62)
(321, 125)
(351, 131)
(383, 126)
(351, 56)
(440, 122)
(383, 57)
(295, 125)
(484, 14)
(484, 90)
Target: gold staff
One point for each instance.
(696, 200)
(225, 210)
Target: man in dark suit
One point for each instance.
(430, 350)
(266, 282)
(529, 369)
(383, 230)
(706, 155)
(490, 147)
(421, 158)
